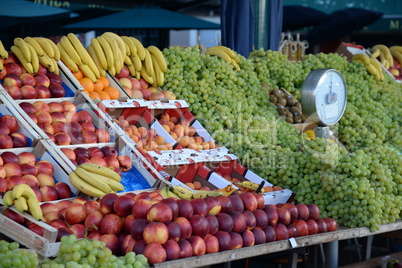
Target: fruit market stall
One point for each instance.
(187, 157)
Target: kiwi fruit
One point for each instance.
(277, 93)
(291, 101)
(272, 99)
(297, 119)
(289, 120)
(303, 118)
(298, 105)
(295, 111)
(281, 109)
(281, 101)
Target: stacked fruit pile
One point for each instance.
(10, 133)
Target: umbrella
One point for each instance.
(298, 17)
(144, 18)
(341, 23)
(237, 25)
(14, 12)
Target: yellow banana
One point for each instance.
(153, 50)
(87, 71)
(375, 52)
(38, 49)
(132, 69)
(228, 190)
(139, 46)
(171, 194)
(159, 75)
(3, 51)
(56, 51)
(92, 179)
(69, 48)
(115, 185)
(101, 170)
(119, 41)
(230, 52)
(81, 51)
(23, 190)
(113, 45)
(107, 50)
(250, 185)
(362, 57)
(203, 194)
(54, 68)
(136, 61)
(182, 192)
(112, 71)
(46, 46)
(119, 62)
(34, 208)
(397, 54)
(8, 199)
(46, 61)
(1, 65)
(95, 58)
(387, 54)
(18, 53)
(147, 63)
(100, 54)
(19, 42)
(131, 46)
(83, 186)
(93, 67)
(234, 63)
(377, 66)
(146, 76)
(127, 60)
(21, 204)
(164, 192)
(34, 58)
(218, 52)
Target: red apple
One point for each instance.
(111, 224)
(302, 211)
(155, 232)
(237, 203)
(224, 239)
(155, 253)
(314, 211)
(185, 208)
(332, 225)
(63, 190)
(137, 228)
(199, 225)
(270, 234)
(185, 227)
(107, 203)
(91, 206)
(75, 213)
(301, 226)
(172, 250)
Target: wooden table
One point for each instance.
(278, 246)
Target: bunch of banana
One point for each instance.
(35, 51)
(165, 192)
(371, 64)
(228, 190)
(95, 180)
(396, 52)
(225, 53)
(249, 186)
(76, 57)
(185, 193)
(3, 54)
(24, 199)
(384, 54)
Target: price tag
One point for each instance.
(293, 242)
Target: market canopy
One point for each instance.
(144, 18)
(14, 12)
(297, 17)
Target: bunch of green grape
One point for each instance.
(358, 184)
(82, 253)
(12, 256)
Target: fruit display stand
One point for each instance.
(45, 245)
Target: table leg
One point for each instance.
(331, 254)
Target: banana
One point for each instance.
(101, 170)
(132, 69)
(119, 41)
(115, 185)
(18, 53)
(361, 57)
(8, 199)
(397, 54)
(95, 58)
(34, 58)
(131, 46)
(182, 192)
(218, 52)
(171, 194)
(100, 54)
(235, 64)
(148, 64)
(249, 185)
(127, 60)
(81, 51)
(158, 73)
(92, 65)
(54, 68)
(21, 204)
(372, 69)
(56, 51)
(230, 52)
(38, 49)
(1, 66)
(3, 51)
(66, 59)
(46, 46)
(19, 42)
(119, 62)
(107, 50)
(228, 190)
(87, 71)
(376, 64)
(23, 190)
(203, 194)
(164, 192)
(375, 52)
(136, 61)
(146, 76)
(34, 208)
(83, 186)
(69, 48)
(46, 61)
(93, 180)
(112, 71)
(139, 46)
(153, 50)
(387, 54)
(113, 45)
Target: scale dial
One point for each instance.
(323, 96)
